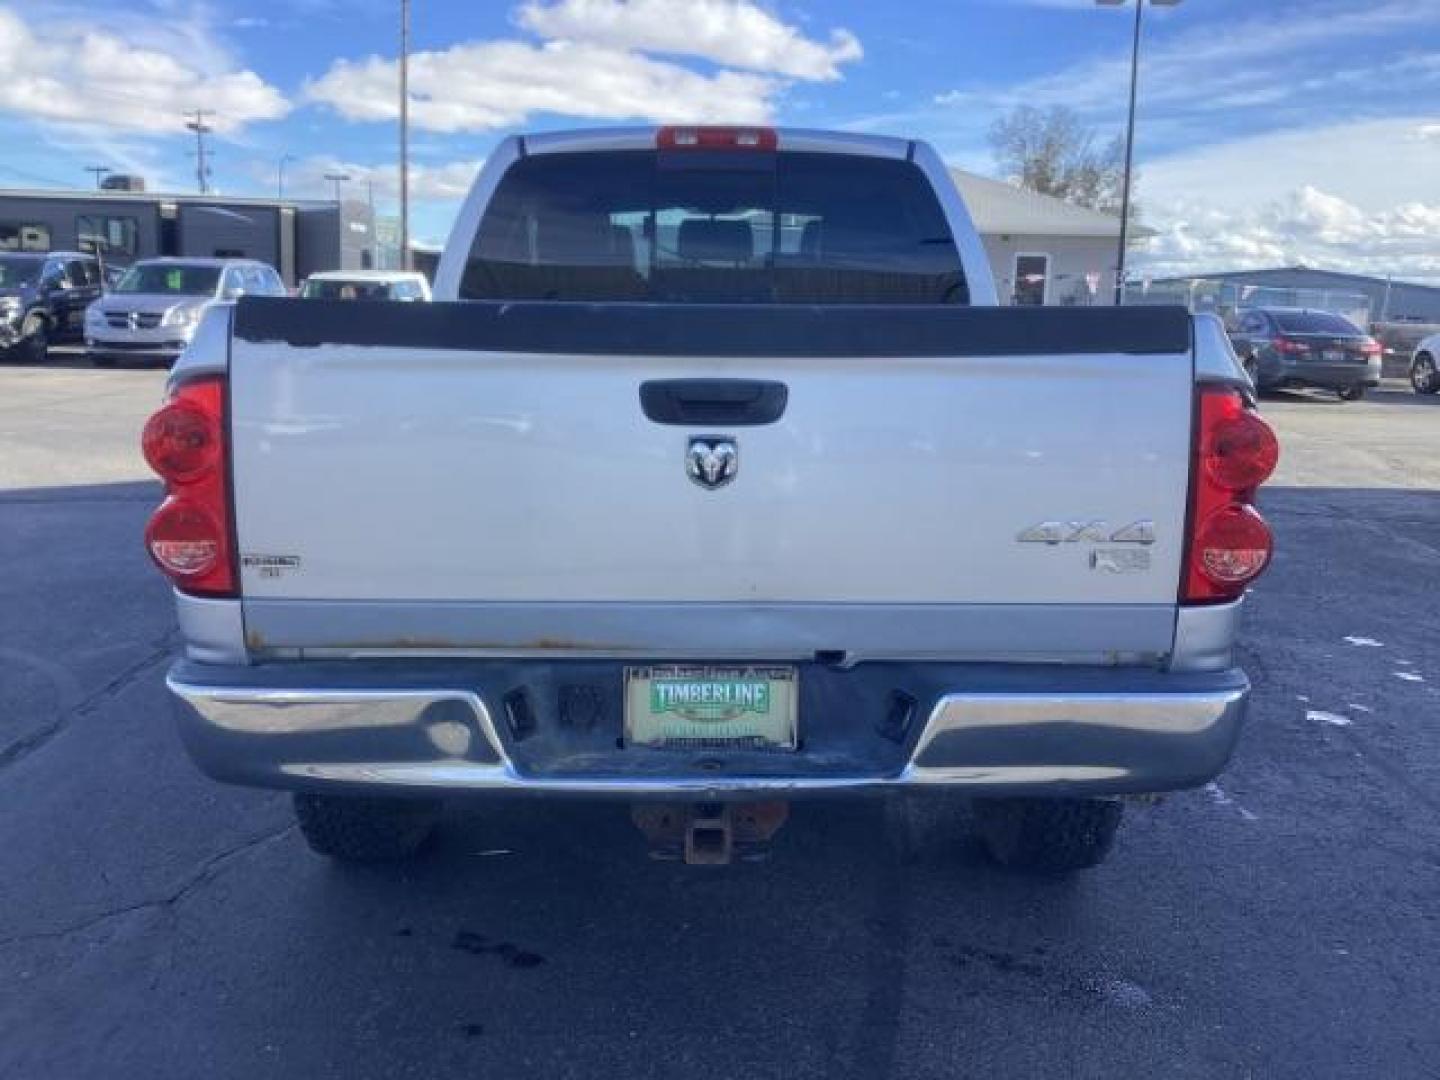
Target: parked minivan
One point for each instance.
(152, 312)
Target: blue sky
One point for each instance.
(1274, 131)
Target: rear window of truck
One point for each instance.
(1314, 322)
(714, 226)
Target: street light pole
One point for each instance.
(337, 179)
(1129, 137)
(1129, 157)
(404, 134)
(280, 174)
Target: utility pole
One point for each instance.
(195, 121)
(404, 134)
(337, 178)
(99, 171)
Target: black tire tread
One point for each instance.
(358, 829)
(1434, 381)
(35, 333)
(1049, 835)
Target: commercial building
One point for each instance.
(297, 237)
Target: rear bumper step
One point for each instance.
(441, 726)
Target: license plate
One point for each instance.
(1333, 356)
(696, 707)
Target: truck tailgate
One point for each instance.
(400, 466)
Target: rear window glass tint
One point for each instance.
(1313, 322)
(695, 226)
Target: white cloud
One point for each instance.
(95, 78)
(596, 63)
(500, 84)
(1375, 164)
(1306, 226)
(731, 32)
(496, 84)
(1358, 197)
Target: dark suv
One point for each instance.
(43, 297)
(1285, 347)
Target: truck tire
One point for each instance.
(356, 829)
(1052, 835)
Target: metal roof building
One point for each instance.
(1388, 300)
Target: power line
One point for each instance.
(34, 178)
(195, 121)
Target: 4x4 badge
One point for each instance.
(1089, 532)
(712, 460)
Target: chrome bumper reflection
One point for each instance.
(1168, 739)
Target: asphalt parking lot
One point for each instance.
(1283, 923)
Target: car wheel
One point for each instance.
(1423, 376)
(35, 338)
(1050, 835)
(361, 829)
(1352, 393)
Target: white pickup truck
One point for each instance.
(715, 478)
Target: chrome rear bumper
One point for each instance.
(1003, 729)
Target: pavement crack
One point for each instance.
(205, 874)
(27, 744)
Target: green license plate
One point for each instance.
(697, 707)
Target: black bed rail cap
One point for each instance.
(778, 330)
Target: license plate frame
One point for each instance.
(712, 706)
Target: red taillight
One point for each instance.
(184, 540)
(1239, 450)
(1370, 347)
(1229, 543)
(181, 441)
(189, 535)
(716, 138)
(1232, 545)
(1285, 345)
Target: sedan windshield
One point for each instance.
(16, 271)
(171, 279)
(331, 289)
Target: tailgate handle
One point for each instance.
(731, 402)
